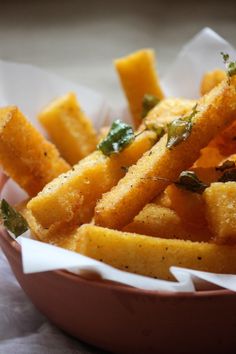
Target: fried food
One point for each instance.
(168, 110)
(25, 155)
(138, 77)
(159, 221)
(153, 256)
(220, 201)
(69, 128)
(211, 79)
(71, 198)
(161, 165)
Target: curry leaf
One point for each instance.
(119, 136)
(230, 65)
(157, 129)
(180, 129)
(12, 220)
(188, 180)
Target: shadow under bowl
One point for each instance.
(122, 319)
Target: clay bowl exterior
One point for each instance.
(122, 319)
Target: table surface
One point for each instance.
(78, 40)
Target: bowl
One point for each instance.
(121, 319)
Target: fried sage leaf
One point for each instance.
(228, 164)
(149, 102)
(11, 219)
(228, 176)
(188, 180)
(119, 136)
(230, 65)
(180, 129)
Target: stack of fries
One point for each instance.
(140, 200)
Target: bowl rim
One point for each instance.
(118, 286)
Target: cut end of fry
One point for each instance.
(69, 128)
(220, 201)
(159, 221)
(138, 77)
(168, 110)
(63, 237)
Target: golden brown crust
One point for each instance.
(25, 155)
(139, 186)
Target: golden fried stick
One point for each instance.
(25, 155)
(161, 165)
(220, 201)
(167, 110)
(153, 256)
(64, 237)
(211, 79)
(159, 221)
(138, 77)
(71, 197)
(69, 128)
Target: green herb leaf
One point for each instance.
(12, 220)
(231, 68)
(225, 57)
(230, 65)
(180, 129)
(119, 136)
(228, 176)
(188, 180)
(228, 164)
(149, 102)
(157, 129)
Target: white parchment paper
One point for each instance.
(31, 88)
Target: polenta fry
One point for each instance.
(167, 110)
(25, 155)
(153, 256)
(70, 190)
(212, 79)
(69, 128)
(157, 168)
(158, 221)
(220, 199)
(71, 197)
(63, 237)
(138, 77)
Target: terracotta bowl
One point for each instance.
(121, 319)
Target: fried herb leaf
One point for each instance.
(230, 65)
(149, 102)
(119, 136)
(225, 57)
(188, 180)
(11, 219)
(180, 129)
(228, 176)
(228, 164)
(157, 129)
